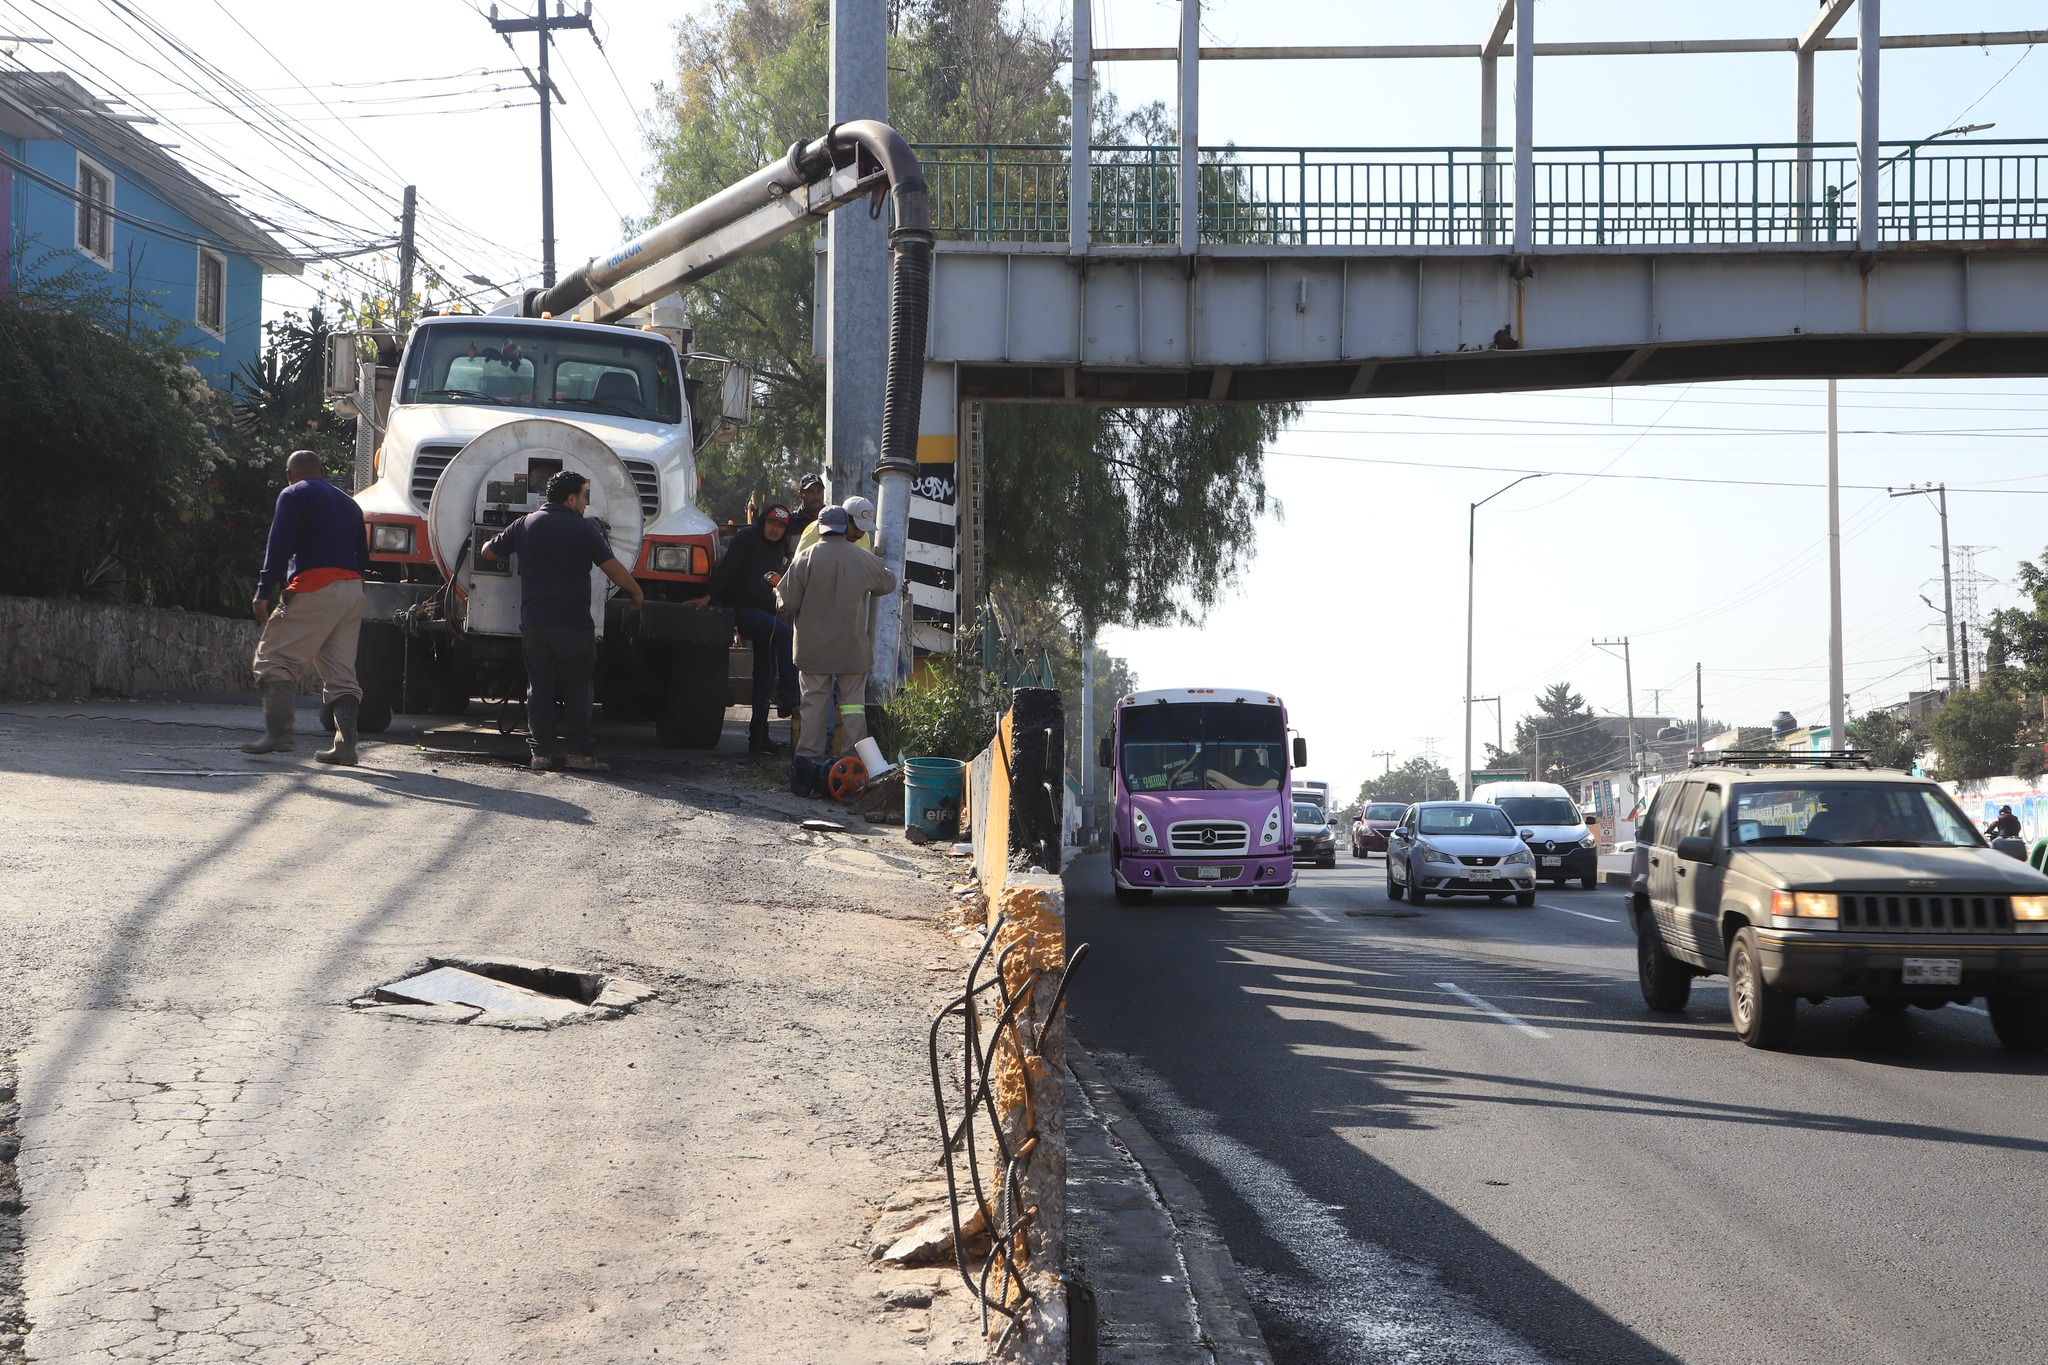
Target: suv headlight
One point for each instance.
(1432, 854)
(1143, 829)
(1520, 857)
(1806, 905)
(390, 538)
(2030, 910)
(1271, 833)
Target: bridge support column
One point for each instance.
(1190, 234)
(1525, 132)
(1868, 27)
(856, 266)
(932, 570)
(1080, 192)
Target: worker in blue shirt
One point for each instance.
(557, 549)
(309, 597)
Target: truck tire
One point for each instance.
(1762, 1014)
(692, 715)
(1666, 982)
(2021, 1022)
(380, 669)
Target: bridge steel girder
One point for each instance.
(1236, 325)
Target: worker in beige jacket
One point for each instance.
(825, 595)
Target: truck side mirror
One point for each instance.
(344, 352)
(1591, 821)
(1105, 756)
(1695, 848)
(1300, 752)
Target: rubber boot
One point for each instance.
(343, 750)
(279, 698)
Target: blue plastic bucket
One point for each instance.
(931, 795)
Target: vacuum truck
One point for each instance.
(593, 375)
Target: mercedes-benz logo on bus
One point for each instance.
(1209, 838)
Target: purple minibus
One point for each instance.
(1200, 791)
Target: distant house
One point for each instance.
(81, 187)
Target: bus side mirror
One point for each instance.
(1104, 755)
(1300, 752)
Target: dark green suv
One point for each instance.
(1831, 879)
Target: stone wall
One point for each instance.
(51, 648)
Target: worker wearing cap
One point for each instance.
(810, 494)
(315, 561)
(745, 581)
(861, 529)
(825, 594)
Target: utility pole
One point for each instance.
(1948, 596)
(1628, 676)
(1699, 711)
(1388, 755)
(1472, 518)
(408, 253)
(1499, 731)
(544, 24)
(1837, 720)
(1087, 719)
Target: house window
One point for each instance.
(95, 210)
(211, 310)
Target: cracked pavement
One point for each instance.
(221, 1162)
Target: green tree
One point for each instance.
(111, 443)
(1890, 739)
(2018, 636)
(1419, 779)
(1564, 735)
(1985, 732)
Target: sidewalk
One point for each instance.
(222, 1159)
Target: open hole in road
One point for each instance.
(503, 993)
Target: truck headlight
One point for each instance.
(676, 558)
(390, 538)
(2030, 909)
(1143, 829)
(1806, 904)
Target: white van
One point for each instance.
(1551, 824)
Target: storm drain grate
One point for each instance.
(503, 993)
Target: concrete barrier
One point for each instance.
(53, 648)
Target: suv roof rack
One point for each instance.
(1782, 758)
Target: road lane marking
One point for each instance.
(1580, 913)
(1318, 914)
(1495, 1010)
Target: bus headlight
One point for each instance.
(1143, 829)
(1271, 833)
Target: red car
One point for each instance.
(1369, 830)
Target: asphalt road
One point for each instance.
(1457, 1135)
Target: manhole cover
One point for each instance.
(503, 993)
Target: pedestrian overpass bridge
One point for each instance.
(1317, 273)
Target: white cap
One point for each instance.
(863, 513)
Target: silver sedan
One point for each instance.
(1458, 848)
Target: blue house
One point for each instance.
(81, 187)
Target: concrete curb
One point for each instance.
(1223, 1312)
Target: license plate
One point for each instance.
(1208, 874)
(1479, 874)
(1933, 971)
(1553, 862)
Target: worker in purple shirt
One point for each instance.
(557, 549)
(309, 598)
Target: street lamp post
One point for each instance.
(1471, 559)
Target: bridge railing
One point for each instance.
(1733, 194)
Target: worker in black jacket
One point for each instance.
(745, 580)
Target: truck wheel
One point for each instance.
(1665, 982)
(693, 711)
(1762, 1014)
(1128, 895)
(2020, 1021)
(380, 667)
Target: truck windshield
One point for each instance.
(1872, 814)
(1539, 810)
(1203, 746)
(580, 369)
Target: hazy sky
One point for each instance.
(1353, 604)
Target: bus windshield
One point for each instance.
(580, 369)
(1203, 746)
